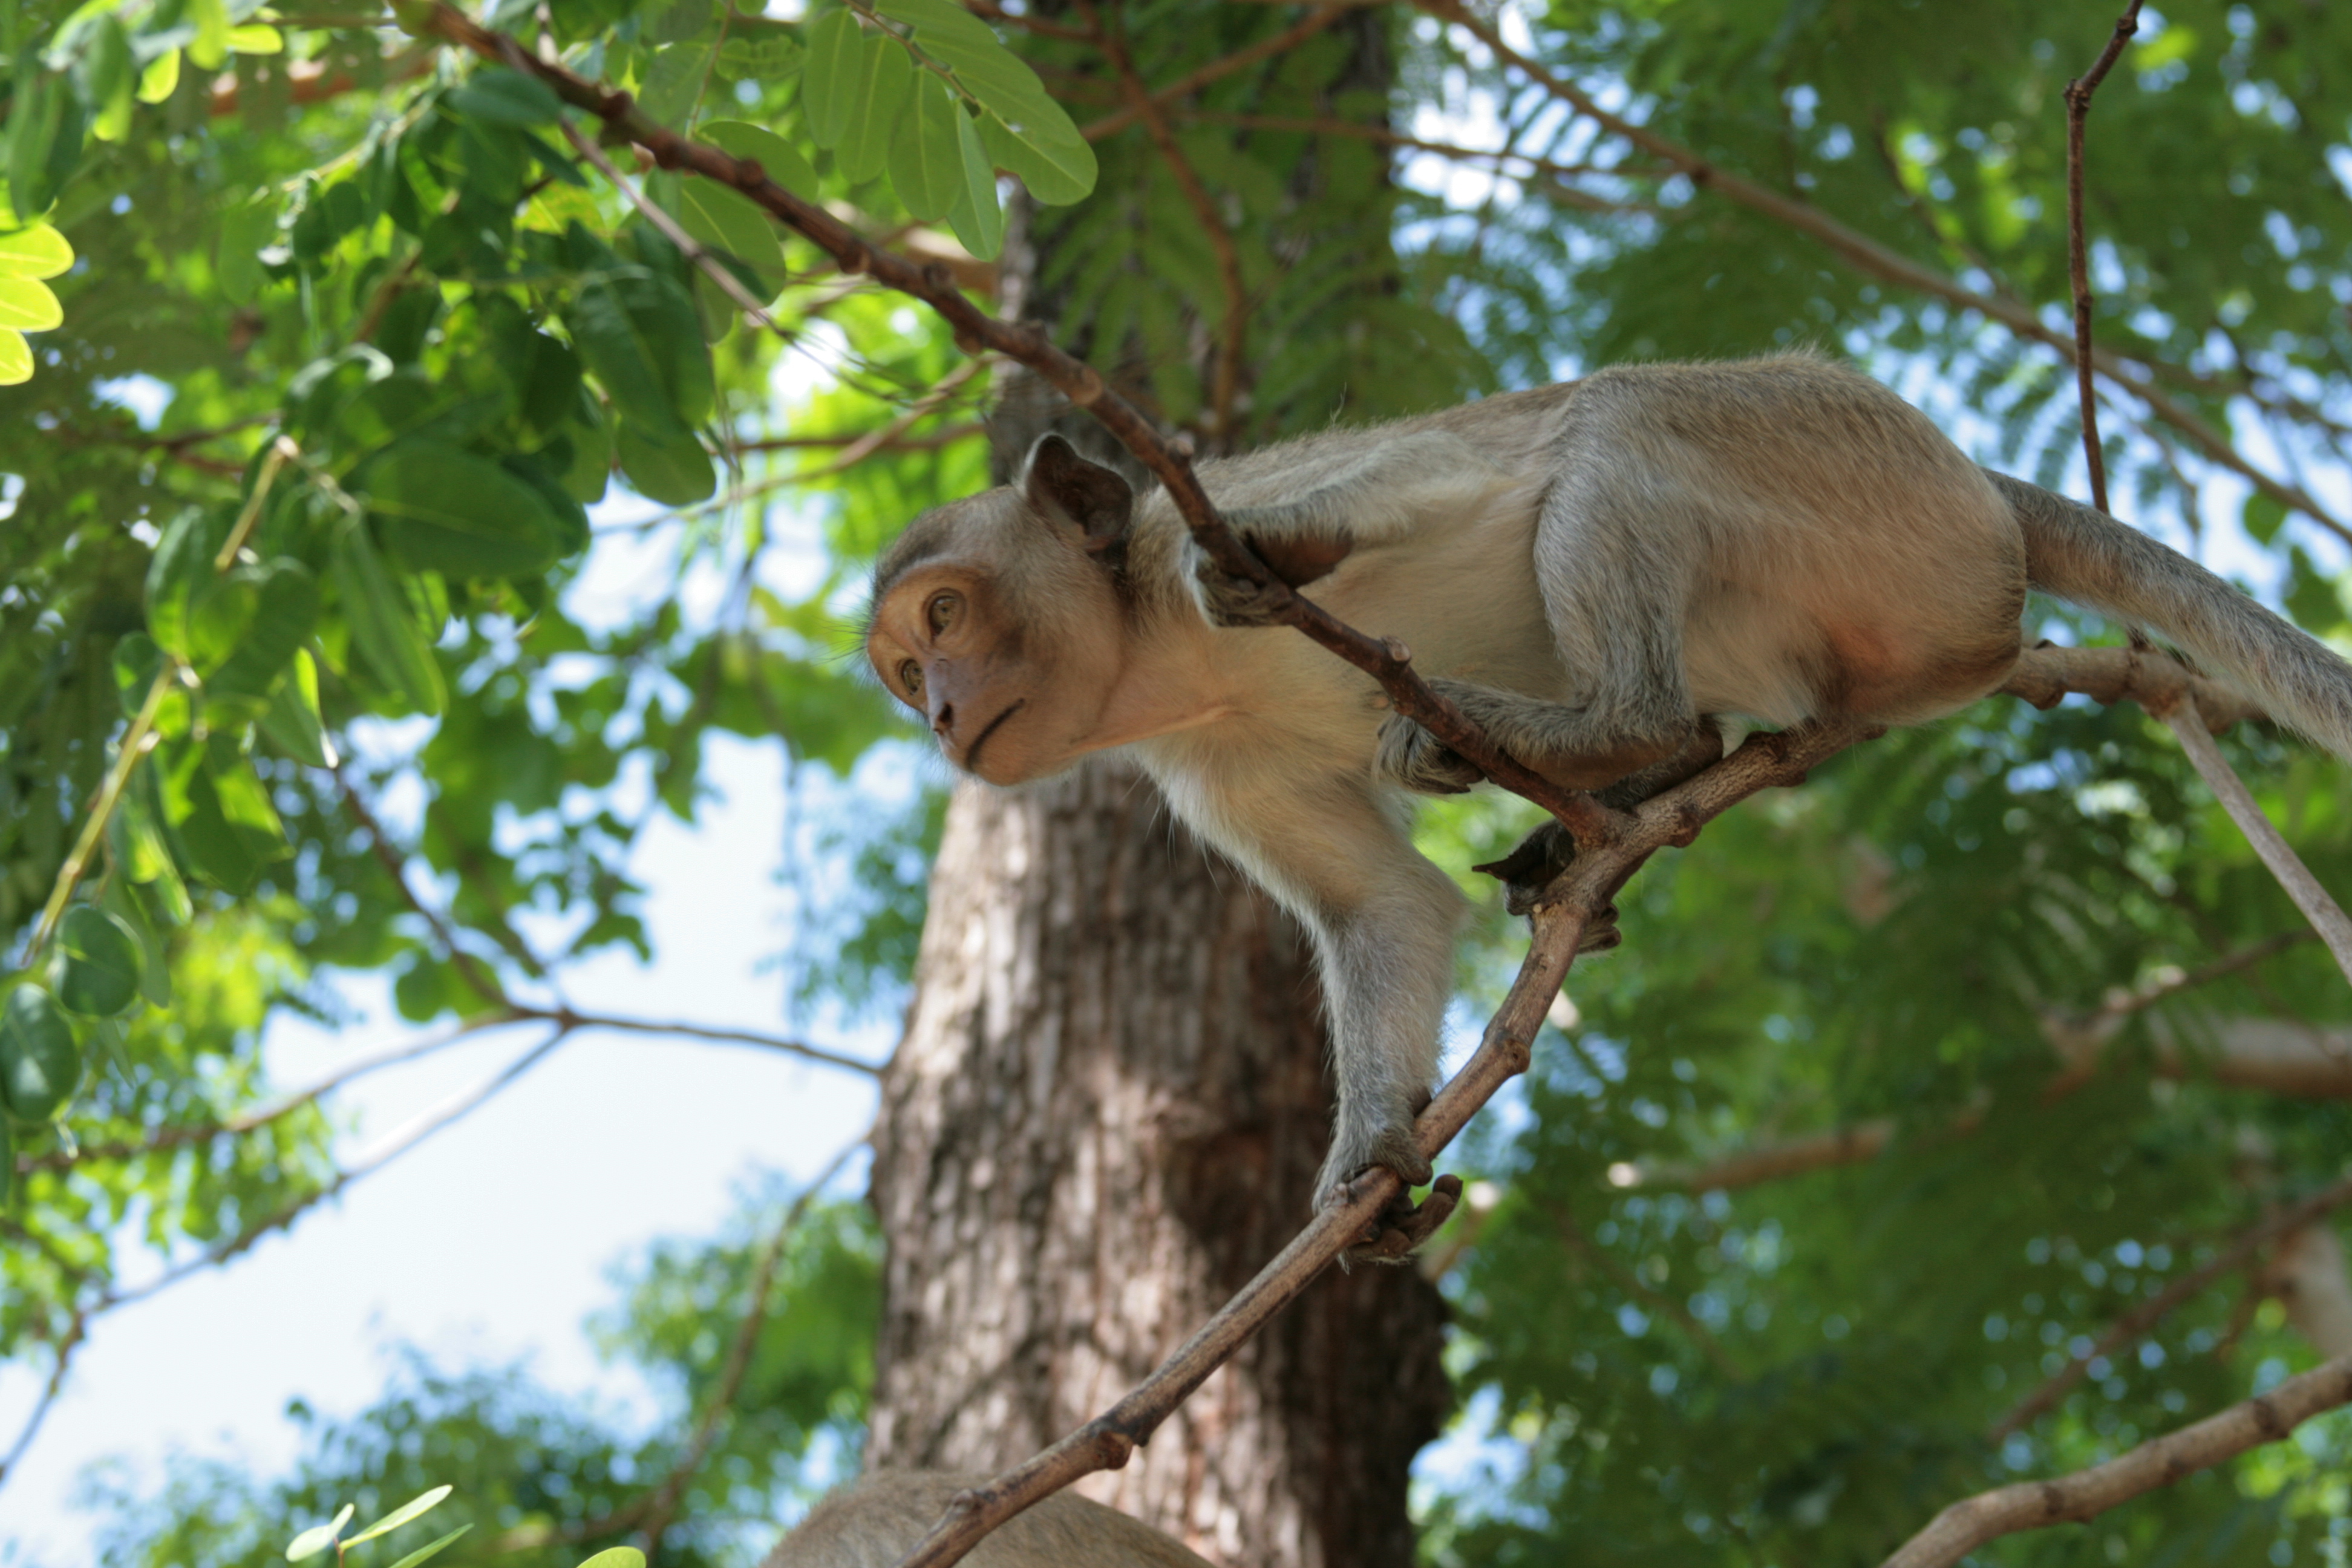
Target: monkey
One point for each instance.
(877, 1520)
(1599, 574)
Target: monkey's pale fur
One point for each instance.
(877, 1520)
(1593, 570)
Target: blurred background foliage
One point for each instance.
(1973, 997)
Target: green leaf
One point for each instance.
(927, 156)
(637, 334)
(2264, 517)
(319, 1537)
(726, 221)
(209, 48)
(293, 724)
(27, 306)
(416, 1507)
(976, 216)
(96, 970)
(40, 1060)
(161, 79)
(181, 569)
(779, 159)
(383, 626)
(430, 1548)
(769, 59)
(105, 74)
(836, 52)
(674, 82)
(665, 465)
(15, 358)
(504, 96)
(878, 106)
(255, 38)
(942, 18)
(1057, 170)
(616, 1557)
(440, 508)
(285, 610)
(154, 969)
(45, 137)
(244, 230)
(38, 251)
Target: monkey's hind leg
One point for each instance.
(1579, 747)
(1544, 856)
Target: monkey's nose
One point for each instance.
(943, 721)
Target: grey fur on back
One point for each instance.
(2084, 555)
(878, 1519)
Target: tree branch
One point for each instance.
(1226, 381)
(2159, 1462)
(2078, 257)
(2128, 1329)
(2325, 916)
(1191, 83)
(568, 1020)
(1868, 256)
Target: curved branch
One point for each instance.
(2128, 1329)
(2159, 1462)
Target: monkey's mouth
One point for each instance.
(971, 753)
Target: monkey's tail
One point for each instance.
(2086, 556)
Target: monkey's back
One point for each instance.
(877, 1520)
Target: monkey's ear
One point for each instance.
(1086, 496)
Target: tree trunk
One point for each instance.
(1105, 1116)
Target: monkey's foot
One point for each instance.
(1400, 1229)
(1412, 758)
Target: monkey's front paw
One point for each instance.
(1398, 1232)
(1412, 758)
(1230, 601)
(1395, 1147)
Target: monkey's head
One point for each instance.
(998, 618)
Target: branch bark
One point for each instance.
(2078, 259)
(2033, 1505)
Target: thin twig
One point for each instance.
(930, 440)
(1867, 255)
(475, 973)
(162, 1139)
(2159, 1462)
(77, 1330)
(2128, 1329)
(2325, 916)
(399, 1142)
(672, 1489)
(1657, 1301)
(2078, 257)
(568, 1019)
(1225, 378)
(1191, 83)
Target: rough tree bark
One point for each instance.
(1106, 1114)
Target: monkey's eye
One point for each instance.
(911, 676)
(943, 611)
